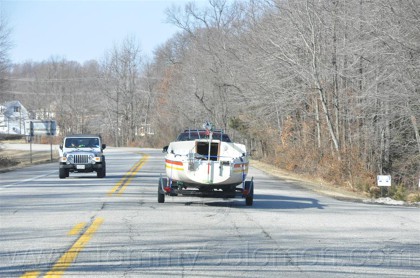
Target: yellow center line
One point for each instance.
(31, 274)
(126, 179)
(77, 228)
(70, 256)
(123, 179)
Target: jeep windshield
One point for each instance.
(82, 143)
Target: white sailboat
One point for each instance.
(205, 162)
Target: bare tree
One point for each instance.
(328, 87)
(121, 72)
(5, 46)
(62, 90)
(207, 64)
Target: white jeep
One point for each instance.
(82, 154)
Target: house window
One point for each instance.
(16, 109)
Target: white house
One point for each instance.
(12, 117)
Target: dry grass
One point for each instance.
(313, 183)
(12, 159)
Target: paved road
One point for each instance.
(114, 227)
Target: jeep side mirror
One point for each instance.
(165, 149)
(61, 147)
(103, 146)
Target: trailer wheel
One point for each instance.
(249, 199)
(161, 193)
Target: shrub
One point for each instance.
(374, 192)
(398, 193)
(413, 197)
(7, 162)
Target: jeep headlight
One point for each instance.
(94, 158)
(70, 159)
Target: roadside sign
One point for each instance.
(384, 180)
(40, 127)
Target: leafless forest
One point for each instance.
(329, 88)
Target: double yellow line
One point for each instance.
(70, 256)
(120, 187)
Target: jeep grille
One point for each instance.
(81, 159)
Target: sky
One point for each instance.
(84, 30)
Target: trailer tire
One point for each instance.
(249, 199)
(161, 194)
(161, 198)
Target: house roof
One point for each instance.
(9, 108)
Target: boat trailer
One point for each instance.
(167, 187)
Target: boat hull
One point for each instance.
(224, 167)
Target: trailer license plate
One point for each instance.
(80, 166)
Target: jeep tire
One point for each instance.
(62, 173)
(101, 173)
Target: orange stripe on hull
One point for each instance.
(174, 165)
(174, 162)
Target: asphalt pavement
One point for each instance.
(114, 227)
